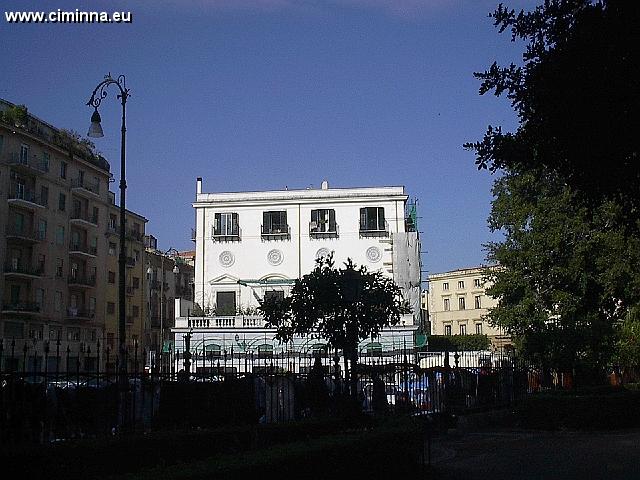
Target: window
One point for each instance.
(372, 219)
(40, 297)
(461, 303)
(92, 304)
(112, 249)
(463, 329)
(95, 215)
(24, 154)
(59, 267)
(57, 301)
(323, 221)
(136, 255)
(42, 229)
(62, 202)
(447, 329)
(19, 222)
(42, 261)
(477, 301)
(461, 284)
(112, 277)
(110, 340)
(36, 332)
(73, 334)
(275, 223)
(226, 225)
(478, 329)
(59, 235)
(477, 283)
(445, 286)
(225, 303)
(45, 161)
(44, 195)
(447, 305)
(113, 221)
(136, 282)
(111, 308)
(274, 295)
(63, 169)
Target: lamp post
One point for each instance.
(95, 130)
(175, 271)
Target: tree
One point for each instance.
(567, 201)
(576, 97)
(343, 306)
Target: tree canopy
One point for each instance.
(567, 198)
(344, 306)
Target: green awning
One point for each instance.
(420, 340)
(167, 347)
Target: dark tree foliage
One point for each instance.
(568, 200)
(343, 306)
(577, 96)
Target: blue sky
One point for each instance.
(259, 94)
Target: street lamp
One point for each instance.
(95, 130)
(175, 271)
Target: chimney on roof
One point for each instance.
(198, 185)
(324, 185)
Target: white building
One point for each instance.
(253, 244)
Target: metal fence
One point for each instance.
(42, 402)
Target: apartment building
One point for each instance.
(255, 244)
(458, 304)
(135, 298)
(54, 210)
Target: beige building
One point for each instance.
(136, 300)
(458, 303)
(53, 215)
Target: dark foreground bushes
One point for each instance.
(599, 410)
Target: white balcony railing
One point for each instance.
(218, 322)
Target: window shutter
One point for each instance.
(381, 218)
(363, 219)
(332, 220)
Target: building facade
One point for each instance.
(135, 298)
(458, 304)
(253, 244)
(52, 219)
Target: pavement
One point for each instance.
(526, 455)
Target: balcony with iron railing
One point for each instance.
(323, 230)
(22, 270)
(275, 232)
(80, 313)
(374, 229)
(81, 280)
(24, 197)
(226, 235)
(20, 307)
(82, 249)
(78, 217)
(80, 185)
(23, 234)
(26, 165)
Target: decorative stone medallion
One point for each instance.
(323, 252)
(373, 254)
(275, 257)
(226, 259)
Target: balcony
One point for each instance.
(275, 232)
(82, 250)
(83, 219)
(24, 234)
(323, 230)
(80, 313)
(81, 281)
(22, 271)
(221, 322)
(21, 307)
(85, 188)
(24, 197)
(26, 166)
(374, 229)
(229, 235)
